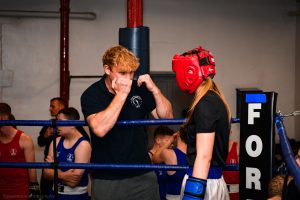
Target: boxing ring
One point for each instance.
(286, 148)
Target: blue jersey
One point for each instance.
(162, 183)
(68, 155)
(174, 181)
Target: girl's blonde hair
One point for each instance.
(207, 85)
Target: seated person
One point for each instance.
(292, 192)
(162, 134)
(74, 148)
(275, 187)
(283, 187)
(173, 156)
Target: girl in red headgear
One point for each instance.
(208, 125)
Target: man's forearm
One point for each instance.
(71, 177)
(32, 175)
(102, 122)
(163, 105)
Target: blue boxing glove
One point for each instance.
(194, 189)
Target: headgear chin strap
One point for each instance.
(192, 68)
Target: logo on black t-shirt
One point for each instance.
(136, 101)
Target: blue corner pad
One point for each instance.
(256, 98)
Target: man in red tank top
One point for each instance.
(15, 146)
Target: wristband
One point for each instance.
(34, 186)
(34, 191)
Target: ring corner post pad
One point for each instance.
(137, 40)
(256, 142)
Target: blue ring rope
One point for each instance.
(229, 167)
(287, 151)
(176, 121)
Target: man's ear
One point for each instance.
(106, 69)
(61, 106)
(157, 140)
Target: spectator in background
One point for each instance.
(283, 187)
(45, 138)
(275, 187)
(16, 146)
(162, 138)
(292, 192)
(173, 156)
(72, 147)
(46, 134)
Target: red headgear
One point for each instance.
(192, 68)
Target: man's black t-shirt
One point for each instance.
(122, 144)
(209, 116)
